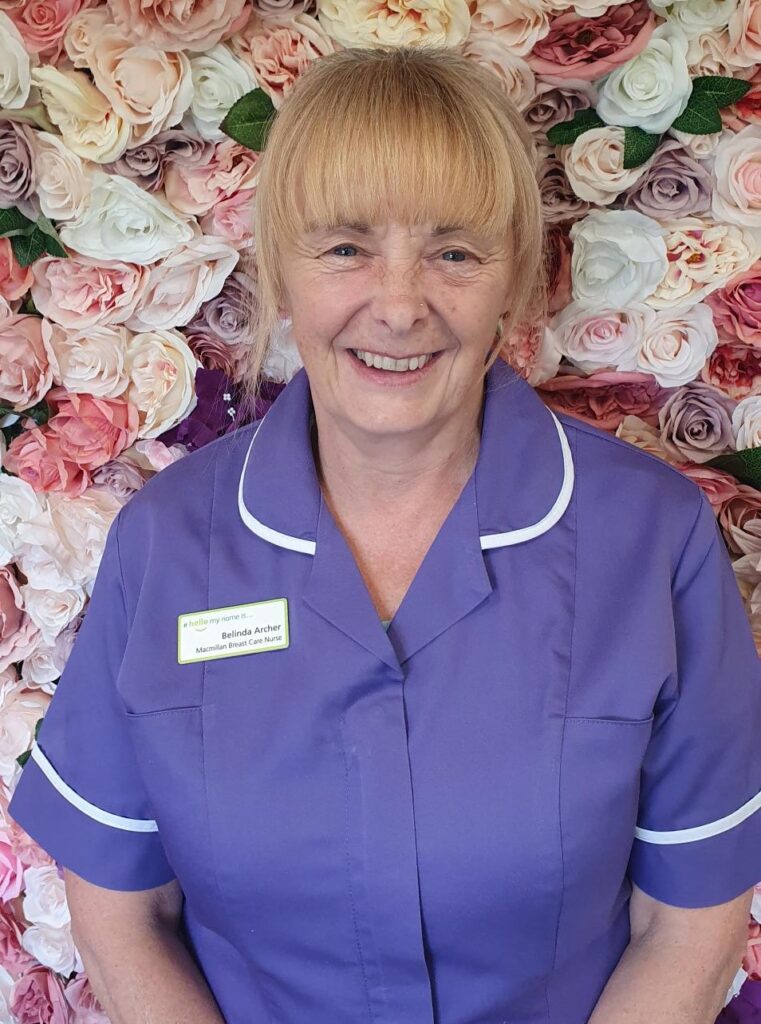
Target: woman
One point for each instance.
(535, 796)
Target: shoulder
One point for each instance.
(185, 491)
(621, 483)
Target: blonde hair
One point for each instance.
(415, 135)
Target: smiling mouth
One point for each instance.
(380, 362)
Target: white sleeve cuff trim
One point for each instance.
(96, 813)
(713, 828)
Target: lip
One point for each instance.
(390, 378)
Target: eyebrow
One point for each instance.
(363, 228)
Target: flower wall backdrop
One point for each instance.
(129, 141)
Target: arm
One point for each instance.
(134, 956)
(679, 964)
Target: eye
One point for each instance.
(459, 252)
(343, 245)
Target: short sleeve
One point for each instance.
(80, 795)
(698, 836)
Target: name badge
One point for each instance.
(236, 629)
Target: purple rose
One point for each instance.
(696, 422)
(674, 185)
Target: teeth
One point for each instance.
(387, 363)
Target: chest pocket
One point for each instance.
(599, 796)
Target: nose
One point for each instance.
(398, 301)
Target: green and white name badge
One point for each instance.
(236, 629)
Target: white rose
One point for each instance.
(516, 27)
(62, 546)
(696, 16)
(584, 8)
(746, 422)
(124, 222)
(89, 126)
(180, 284)
(45, 665)
(18, 504)
(161, 368)
(596, 338)
(283, 359)
(15, 66)
(547, 360)
(710, 52)
(51, 610)
(699, 146)
(594, 165)
(702, 256)
(45, 899)
(20, 711)
(678, 344)
(63, 178)
(219, 79)
(619, 256)
(92, 360)
(652, 89)
(53, 947)
(408, 23)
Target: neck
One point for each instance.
(385, 478)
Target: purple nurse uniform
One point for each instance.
(438, 824)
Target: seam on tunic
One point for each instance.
(576, 503)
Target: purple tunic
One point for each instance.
(438, 824)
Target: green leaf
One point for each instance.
(639, 146)
(248, 119)
(29, 247)
(700, 117)
(721, 91)
(13, 220)
(23, 758)
(744, 465)
(566, 132)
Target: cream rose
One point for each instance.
(51, 610)
(20, 711)
(63, 178)
(637, 432)
(584, 8)
(179, 285)
(516, 26)
(737, 172)
(594, 165)
(702, 256)
(408, 23)
(161, 368)
(699, 146)
(219, 79)
(149, 88)
(53, 947)
(744, 31)
(696, 16)
(19, 502)
(92, 360)
(653, 88)
(710, 53)
(45, 898)
(619, 256)
(181, 24)
(677, 344)
(89, 126)
(15, 66)
(125, 222)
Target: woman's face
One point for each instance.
(397, 293)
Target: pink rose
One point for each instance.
(717, 485)
(217, 354)
(43, 23)
(19, 635)
(278, 51)
(738, 512)
(11, 871)
(734, 369)
(737, 306)
(83, 1001)
(79, 292)
(13, 956)
(27, 360)
(15, 280)
(588, 48)
(752, 958)
(557, 258)
(748, 109)
(605, 397)
(37, 457)
(37, 998)
(232, 219)
(182, 25)
(91, 430)
(197, 188)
